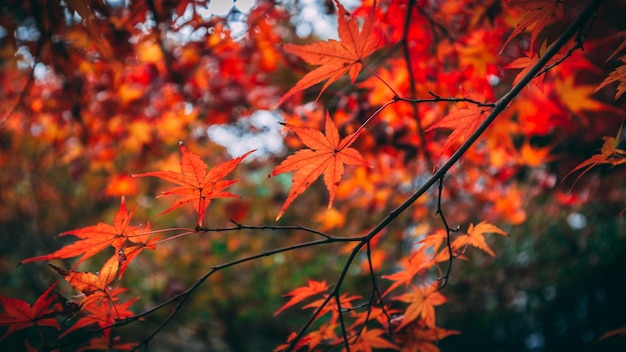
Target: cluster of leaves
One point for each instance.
(415, 69)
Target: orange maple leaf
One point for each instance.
(325, 332)
(534, 157)
(94, 239)
(463, 121)
(90, 283)
(422, 304)
(419, 338)
(609, 154)
(286, 346)
(370, 340)
(576, 97)
(197, 186)
(418, 262)
(301, 293)
(476, 237)
(538, 14)
(345, 302)
(618, 75)
(327, 155)
(336, 57)
(20, 315)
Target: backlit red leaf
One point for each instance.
(336, 58)
(93, 239)
(537, 14)
(326, 155)
(197, 186)
(463, 122)
(20, 315)
(302, 293)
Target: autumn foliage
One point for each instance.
(432, 125)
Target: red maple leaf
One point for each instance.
(301, 293)
(327, 155)
(463, 122)
(527, 62)
(20, 315)
(197, 186)
(336, 57)
(538, 14)
(418, 337)
(102, 313)
(94, 239)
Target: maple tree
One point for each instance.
(422, 117)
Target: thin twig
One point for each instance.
(436, 99)
(444, 278)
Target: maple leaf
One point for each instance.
(20, 315)
(534, 157)
(476, 237)
(102, 313)
(463, 121)
(422, 304)
(370, 339)
(418, 262)
(435, 240)
(618, 75)
(526, 64)
(336, 57)
(197, 186)
(106, 343)
(419, 338)
(90, 283)
(134, 246)
(324, 333)
(576, 97)
(94, 239)
(537, 13)
(609, 154)
(327, 155)
(345, 301)
(286, 346)
(301, 293)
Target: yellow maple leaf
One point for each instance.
(576, 97)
